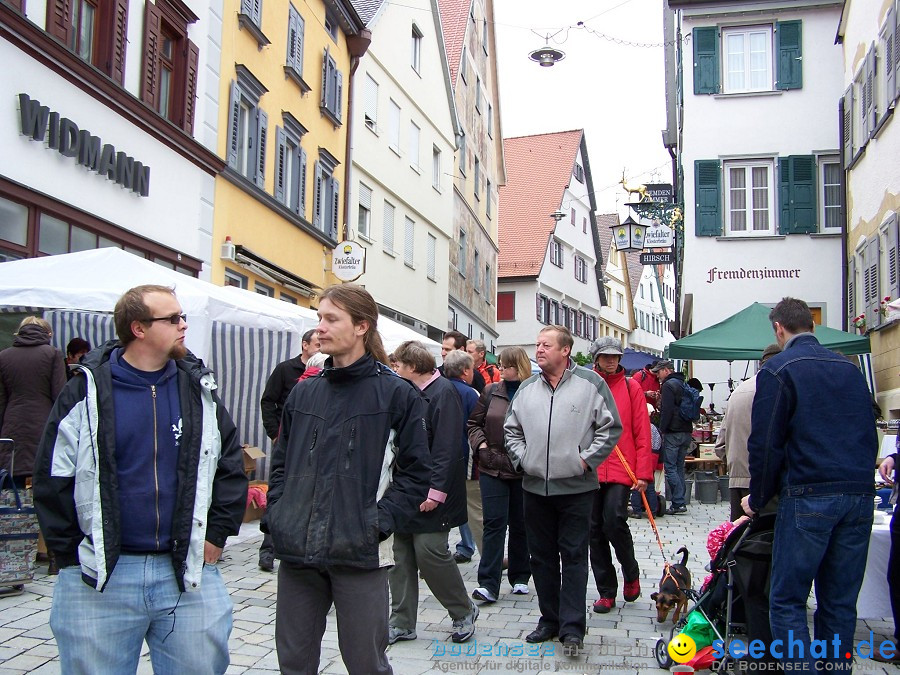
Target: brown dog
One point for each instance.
(675, 580)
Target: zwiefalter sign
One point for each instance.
(659, 236)
(348, 261)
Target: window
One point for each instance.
(478, 94)
(487, 283)
(579, 323)
(232, 278)
(247, 128)
(641, 320)
(409, 233)
(332, 89)
(641, 290)
(284, 297)
(461, 253)
(364, 219)
(263, 289)
(414, 133)
(331, 25)
(487, 198)
(250, 19)
(484, 35)
(451, 318)
(436, 171)
(290, 165)
(464, 66)
(572, 217)
(584, 224)
(556, 253)
(620, 302)
(555, 315)
(293, 66)
(650, 287)
(95, 30)
(326, 190)
(394, 126)
(431, 257)
(477, 180)
(84, 20)
(566, 317)
(506, 305)
(753, 58)
(387, 230)
(749, 198)
(490, 121)
(580, 269)
(169, 76)
(370, 103)
(476, 270)
(747, 59)
(416, 49)
(462, 153)
(543, 308)
(578, 172)
(830, 195)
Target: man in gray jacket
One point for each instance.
(559, 428)
(731, 443)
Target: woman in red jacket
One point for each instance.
(609, 520)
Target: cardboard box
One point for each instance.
(254, 512)
(251, 454)
(707, 451)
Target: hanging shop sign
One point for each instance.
(41, 124)
(348, 261)
(660, 192)
(664, 258)
(659, 236)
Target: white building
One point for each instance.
(404, 136)
(868, 34)
(653, 309)
(620, 274)
(550, 265)
(758, 149)
(108, 138)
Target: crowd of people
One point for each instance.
(138, 482)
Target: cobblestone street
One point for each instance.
(621, 641)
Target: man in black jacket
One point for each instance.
(139, 480)
(421, 544)
(278, 386)
(676, 433)
(350, 466)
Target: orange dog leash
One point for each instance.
(646, 506)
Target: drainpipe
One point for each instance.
(357, 45)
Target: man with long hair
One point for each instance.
(351, 465)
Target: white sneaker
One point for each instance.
(520, 589)
(484, 595)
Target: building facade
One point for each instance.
(280, 203)
(868, 33)
(109, 133)
(404, 136)
(616, 316)
(762, 208)
(653, 310)
(478, 172)
(550, 257)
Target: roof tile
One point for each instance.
(454, 18)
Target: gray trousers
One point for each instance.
(426, 553)
(360, 598)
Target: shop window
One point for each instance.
(95, 30)
(13, 222)
(170, 67)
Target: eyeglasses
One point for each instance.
(175, 319)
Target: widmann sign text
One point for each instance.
(38, 122)
(743, 273)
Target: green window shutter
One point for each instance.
(708, 187)
(797, 194)
(706, 60)
(789, 52)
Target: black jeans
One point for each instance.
(609, 527)
(893, 574)
(558, 527)
(736, 494)
(502, 506)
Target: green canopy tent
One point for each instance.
(743, 336)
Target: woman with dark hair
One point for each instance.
(501, 485)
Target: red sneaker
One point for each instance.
(603, 605)
(632, 590)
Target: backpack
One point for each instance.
(689, 405)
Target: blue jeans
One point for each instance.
(675, 449)
(100, 633)
(466, 545)
(503, 507)
(822, 539)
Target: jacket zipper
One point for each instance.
(350, 449)
(155, 457)
(549, 422)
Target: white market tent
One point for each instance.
(240, 334)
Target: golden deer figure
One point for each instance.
(640, 190)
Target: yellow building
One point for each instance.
(283, 128)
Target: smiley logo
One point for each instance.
(682, 648)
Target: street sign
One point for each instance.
(660, 192)
(659, 236)
(666, 258)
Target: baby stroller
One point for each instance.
(735, 603)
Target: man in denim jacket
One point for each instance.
(813, 443)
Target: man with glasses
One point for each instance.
(138, 483)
